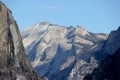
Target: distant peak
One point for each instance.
(71, 26)
(44, 23)
(41, 24)
(81, 30)
(80, 27)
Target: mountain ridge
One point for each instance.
(108, 69)
(60, 49)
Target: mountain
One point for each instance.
(14, 64)
(113, 42)
(109, 69)
(63, 53)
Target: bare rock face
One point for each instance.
(14, 64)
(113, 42)
(109, 69)
(62, 53)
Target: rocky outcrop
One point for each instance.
(14, 64)
(109, 66)
(113, 42)
(62, 53)
(109, 69)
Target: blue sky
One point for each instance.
(99, 16)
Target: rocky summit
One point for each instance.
(63, 53)
(14, 64)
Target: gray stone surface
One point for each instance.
(113, 42)
(14, 64)
(62, 53)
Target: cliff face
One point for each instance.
(109, 69)
(113, 42)
(14, 64)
